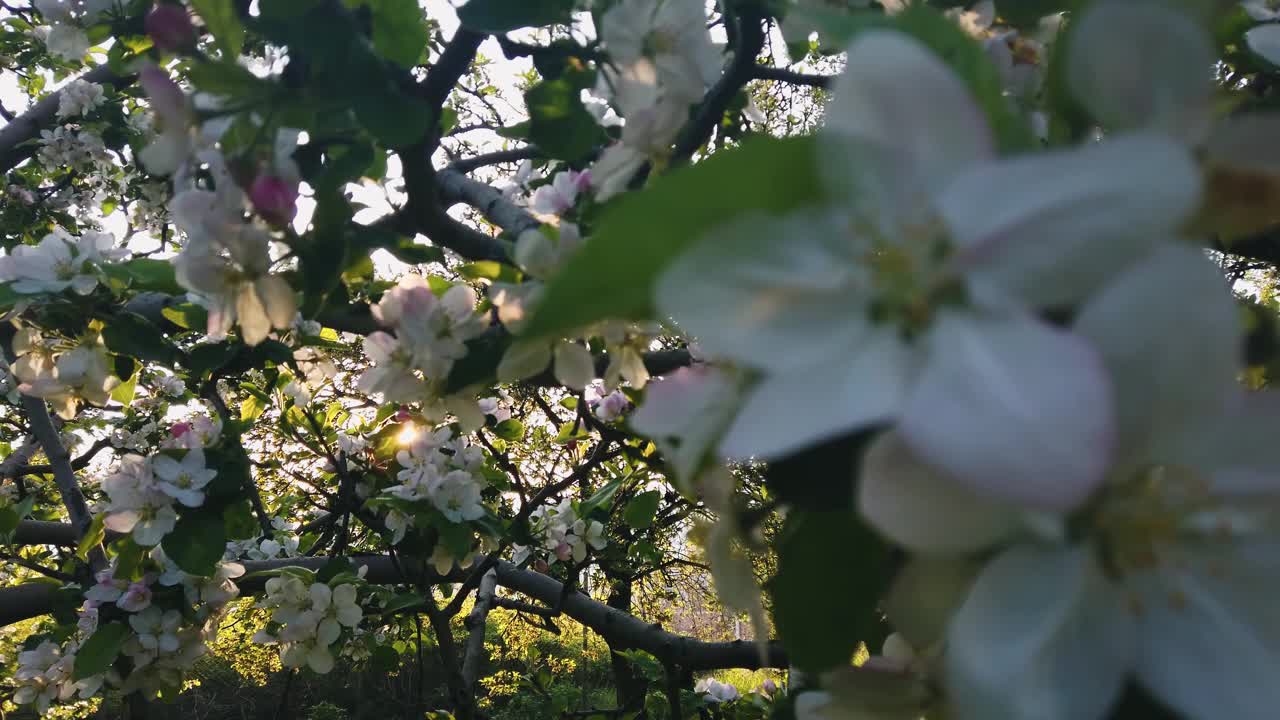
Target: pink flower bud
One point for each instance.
(170, 28)
(769, 686)
(541, 566)
(180, 429)
(564, 551)
(275, 199)
(402, 415)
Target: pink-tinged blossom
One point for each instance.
(274, 198)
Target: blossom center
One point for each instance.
(1140, 521)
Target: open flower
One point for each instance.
(1159, 573)
(907, 299)
(183, 480)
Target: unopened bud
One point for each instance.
(275, 199)
(170, 28)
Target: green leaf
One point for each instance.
(481, 362)
(210, 357)
(500, 16)
(92, 537)
(559, 124)
(124, 392)
(393, 118)
(639, 234)
(133, 335)
(402, 601)
(152, 274)
(221, 19)
(384, 659)
(9, 297)
(600, 498)
(489, 270)
(399, 33)
(188, 316)
(228, 78)
(253, 407)
(197, 542)
(640, 511)
(333, 568)
(821, 616)
(12, 515)
(239, 521)
(102, 648)
(511, 430)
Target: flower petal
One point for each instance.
(1137, 64)
(852, 389)
(776, 293)
(921, 509)
(1041, 635)
(897, 94)
(1068, 220)
(1014, 408)
(1210, 635)
(1264, 41)
(1170, 337)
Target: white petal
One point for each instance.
(574, 366)
(1264, 40)
(277, 298)
(524, 359)
(777, 293)
(1014, 408)
(921, 509)
(896, 93)
(1041, 635)
(1210, 642)
(791, 410)
(1138, 64)
(1170, 337)
(252, 316)
(320, 660)
(1068, 220)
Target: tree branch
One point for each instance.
(473, 653)
(455, 187)
(767, 72)
(63, 474)
(466, 165)
(28, 125)
(709, 113)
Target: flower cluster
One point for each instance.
(663, 61)
(143, 490)
(69, 147)
(1107, 477)
(428, 335)
(60, 262)
(308, 620)
(44, 676)
(714, 691)
(562, 533)
(441, 469)
(79, 97)
(67, 20)
(63, 375)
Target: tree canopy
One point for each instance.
(933, 339)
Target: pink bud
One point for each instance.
(180, 429)
(582, 181)
(769, 686)
(170, 28)
(564, 551)
(541, 566)
(275, 199)
(402, 415)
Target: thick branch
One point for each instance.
(28, 125)
(63, 474)
(455, 187)
(473, 653)
(19, 458)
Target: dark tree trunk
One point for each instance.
(631, 687)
